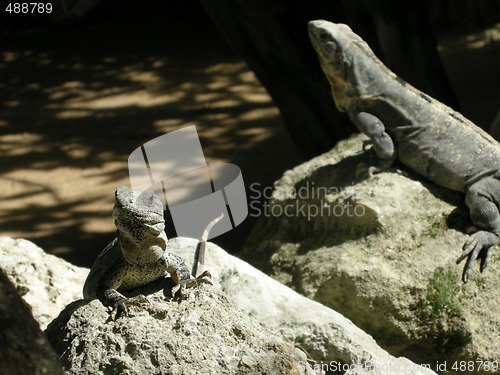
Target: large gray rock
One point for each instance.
(325, 334)
(202, 334)
(382, 252)
(47, 283)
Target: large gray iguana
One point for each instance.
(138, 256)
(422, 133)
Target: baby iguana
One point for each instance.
(424, 134)
(138, 256)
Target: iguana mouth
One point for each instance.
(145, 217)
(155, 228)
(153, 225)
(128, 217)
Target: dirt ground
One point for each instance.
(77, 101)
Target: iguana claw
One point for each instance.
(121, 307)
(189, 283)
(479, 245)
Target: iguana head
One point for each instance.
(138, 216)
(347, 61)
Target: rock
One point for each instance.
(24, 348)
(202, 334)
(325, 334)
(46, 282)
(329, 338)
(382, 252)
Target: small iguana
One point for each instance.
(422, 133)
(138, 256)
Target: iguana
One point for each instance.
(138, 256)
(405, 124)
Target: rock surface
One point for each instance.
(47, 283)
(323, 333)
(326, 335)
(382, 252)
(23, 347)
(202, 334)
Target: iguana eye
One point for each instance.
(150, 198)
(147, 198)
(323, 35)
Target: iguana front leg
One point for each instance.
(382, 143)
(483, 200)
(180, 274)
(118, 302)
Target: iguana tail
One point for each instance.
(199, 258)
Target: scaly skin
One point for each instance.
(138, 256)
(407, 125)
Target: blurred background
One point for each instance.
(83, 86)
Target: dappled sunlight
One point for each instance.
(21, 144)
(258, 113)
(478, 52)
(109, 101)
(61, 208)
(12, 103)
(470, 40)
(168, 124)
(147, 78)
(74, 114)
(70, 117)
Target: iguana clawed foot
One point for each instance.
(479, 245)
(377, 163)
(365, 170)
(184, 284)
(121, 306)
